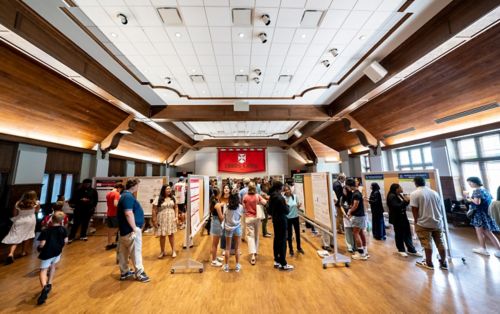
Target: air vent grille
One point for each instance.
(170, 16)
(467, 113)
(399, 132)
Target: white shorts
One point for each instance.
(46, 263)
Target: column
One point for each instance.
(101, 165)
(376, 161)
(344, 163)
(130, 168)
(441, 162)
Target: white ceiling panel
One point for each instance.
(267, 3)
(199, 34)
(241, 3)
(255, 129)
(368, 5)
(293, 3)
(241, 49)
(318, 4)
(218, 16)
(224, 60)
(146, 16)
(216, 3)
(207, 60)
(155, 34)
(190, 2)
(223, 49)
(164, 3)
(390, 5)
(220, 34)
(283, 35)
(193, 16)
(203, 49)
(178, 34)
(356, 19)
(279, 49)
(242, 61)
(342, 4)
(334, 18)
(289, 17)
(137, 2)
(184, 49)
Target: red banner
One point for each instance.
(242, 160)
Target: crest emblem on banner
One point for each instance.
(242, 158)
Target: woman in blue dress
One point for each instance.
(485, 226)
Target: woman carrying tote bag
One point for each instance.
(251, 202)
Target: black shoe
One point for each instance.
(126, 275)
(111, 246)
(43, 296)
(9, 260)
(301, 251)
(142, 277)
(291, 253)
(49, 287)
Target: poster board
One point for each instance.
(149, 189)
(198, 201)
(103, 185)
(317, 204)
(298, 190)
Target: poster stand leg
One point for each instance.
(336, 257)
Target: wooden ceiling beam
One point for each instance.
(451, 20)
(308, 130)
(177, 134)
(226, 113)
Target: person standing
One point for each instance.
(378, 224)
(250, 202)
(479, 203)
(180, 199)
(357, 216)
(345, 204)
(216, 225)
(24, 223)
(130, 221)
(293, 220)
(397, 204)
(165, 219)
(112, 198)
(84, 201)
(494, 210)
(264, 192)
(427, 209)
(232, 229)
(338, 187)
(279, 211)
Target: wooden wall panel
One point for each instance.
(7, 155)
(140, 169)
(464, 79)
(117, 167)
(156, 170)
(61, 161)
(36, 100)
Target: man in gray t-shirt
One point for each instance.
(427, 209)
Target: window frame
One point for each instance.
(50, 187)
(423, 164)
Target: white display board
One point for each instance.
(103, 186)
(149, 189)
(320, 198)
(195, 184)
(406, 180)
(298, 190)
(375, 178)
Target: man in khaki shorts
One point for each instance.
(427, 211)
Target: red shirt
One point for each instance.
(111, 197)
(250, 202)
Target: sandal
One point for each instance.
(174, 255)
(423, 264)
(162, 254)
(252, 261)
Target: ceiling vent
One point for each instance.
(399, 132)
(242, 17)
(311, 18)
(285, 78)
(170, 16)
(467, 113)
(241, 79)
(197, 78)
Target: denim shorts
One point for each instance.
(358, 222)
(234, 232)
(215, 227)
(46, 263)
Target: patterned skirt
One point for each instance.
(483, 220)
(166, 222)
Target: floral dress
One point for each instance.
(166, 217)
(481, 218)
(23, 227)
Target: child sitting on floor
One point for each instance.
(52, 241)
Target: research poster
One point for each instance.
(194, 203)
(149, 190)
(320, 198)
(406, 181)
(375, 178)
(298, 189)
(103, 186)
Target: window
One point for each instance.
(68, 187)
(479, 156)
(414, 158)
(365, 163)
(45, 186)
(54, 185)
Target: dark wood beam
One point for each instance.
(177, 134)
(305, 150)
(227, 113)
(241, 143)
(22, 20)
(308, 130)
(451, 20)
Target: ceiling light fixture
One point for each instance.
(178, 35)
(326, 63)
(241, 35)
(123, 18)
(193, 70)
(334, 52)
(263, 37)
(168, 80)
(266, 19)
(256, 80)
(114, 35)
(303, 35)
(362, 37)
(258, 72)
(241, 70)
(297, 133)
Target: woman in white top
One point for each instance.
(165, 218)
(24, 223)
(232, 229)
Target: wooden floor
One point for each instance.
(87, 282)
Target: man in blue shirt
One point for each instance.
(130, 221)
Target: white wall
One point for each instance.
(323, 166)
(30, 164)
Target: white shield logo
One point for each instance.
(242, 158)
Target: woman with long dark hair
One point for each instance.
(216, 225)
(378, 225)
(397, 204)
(164, 218)
(279, 211)
(232, 229)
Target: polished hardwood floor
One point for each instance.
(87, 282)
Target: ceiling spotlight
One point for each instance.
(241, 35)
(168, 80)
(334, 52)
(241, 70)
(297, 133)
(114, 35)
(258, 72)
(326, 63)
(263, 37)
(303, 35)
(362, 37)
(178, 35)
(123, 18)
(256, 80)
(266, 19)
(193, 70)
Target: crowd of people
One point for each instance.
(241, 210)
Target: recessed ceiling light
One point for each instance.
(114, 35)
(241, 35)
(241, 70)
(203, 92)
(193, 70)
(241, 92)
(362, 37)
(303, 35)
(178, 35)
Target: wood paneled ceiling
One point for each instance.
(336, 137)
(462, 80)
(323, 151)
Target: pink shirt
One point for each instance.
(250, 202)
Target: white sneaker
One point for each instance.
(497, 254)
(403, 254)
(276, 265)
(418, 254)
(238, 268)
(481, 251)
(359, 256)
(225, 268)
(287, 267)
(220, 258)
(216, 263)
